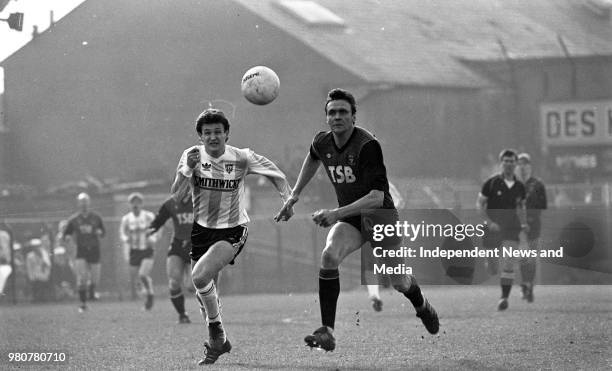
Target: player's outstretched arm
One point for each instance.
(184, 172)
(309, 169)
(180, 187)
(481, 206)
(153, 237)
(101, 230)
(522, 215)
(160, 219)
(258, 164)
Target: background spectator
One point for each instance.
(62, 274)
(38, 266)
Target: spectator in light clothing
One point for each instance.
(38, 266)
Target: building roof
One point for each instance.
(423, 42)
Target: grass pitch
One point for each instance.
(566, 328)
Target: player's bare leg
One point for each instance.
(203, 273)
(342, 240)
(187, 281)
(506, 277)
(175, 268)
(81, 270)
(94, 268)
(144, 274)
(528, 268)
(134, 283)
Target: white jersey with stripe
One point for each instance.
(217, 184)
(133, 230)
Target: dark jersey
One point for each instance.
(502, 201)
(84, 227)
(535, 199)
(355, 169)
(181, 214)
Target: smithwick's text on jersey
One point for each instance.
(217, 184)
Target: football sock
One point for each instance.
(329, 290)
(178, 300)
(83, 294)
(505, 289)
(528, 270)
(373, 292)
(506, 280)
(210, 303)
(216, 333)
(415, 296)
(92, 290)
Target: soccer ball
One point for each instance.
(260, 85)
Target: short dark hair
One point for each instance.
(508, 152)
(341, 94)
(212, 116)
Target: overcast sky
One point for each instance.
(36, 13)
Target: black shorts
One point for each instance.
(203, 238)
(492, 240)
(355, 221)
(180, 248)
(90, 254)
(380, 217)
(535, 228)
(137, 256)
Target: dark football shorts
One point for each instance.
(203, 238)
(492, 240)
(137, 256)
(535, 228)
(384, 216)
(180, 248)
(90, 254)
(355, 221)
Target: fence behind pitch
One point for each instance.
(278, 258)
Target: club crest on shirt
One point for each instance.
(229, 168)
(351, 159)
(328, 155)
(206, 166)
(499, 193)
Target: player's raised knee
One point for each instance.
(330, 258)
(174, 284)
(402, 283)
(201, 280)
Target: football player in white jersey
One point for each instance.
(214, 172)
(138, 245)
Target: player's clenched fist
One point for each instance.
(193, 158)
(325, 217)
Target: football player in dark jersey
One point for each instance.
(353, 160)
(535, 202)
(86, 228)
(501, 202)
(178, 261)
